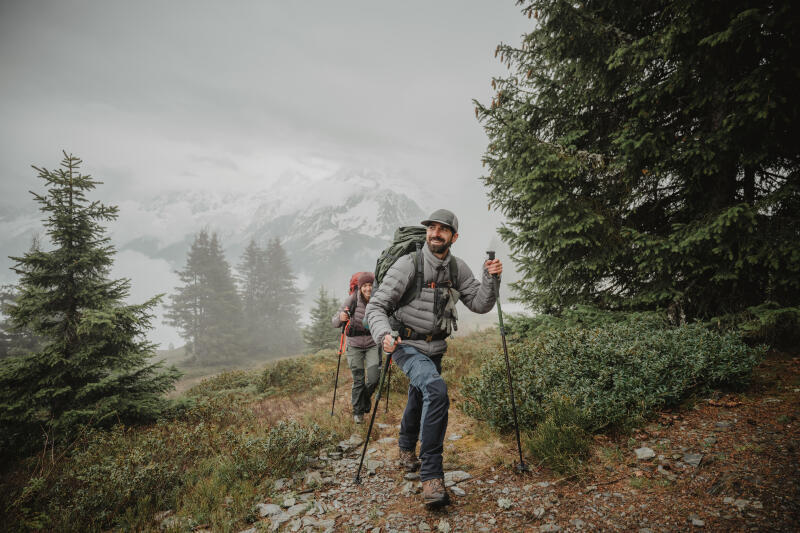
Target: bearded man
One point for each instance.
(424, 323)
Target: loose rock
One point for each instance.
(457, 476)
(644, 453)
(504, 503)
(313, 478)
(267, 509)
(693, 459)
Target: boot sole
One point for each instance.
(435, 504)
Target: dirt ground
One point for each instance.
(727, 463)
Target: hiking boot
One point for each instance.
(358, 419)
(434, 493)
(408, 460)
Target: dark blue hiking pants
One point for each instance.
(425, 417)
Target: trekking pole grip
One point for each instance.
(490, 254)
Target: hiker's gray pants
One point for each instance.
(359, 359)
(425, 417)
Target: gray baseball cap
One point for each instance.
(443, 216)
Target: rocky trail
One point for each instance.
(729, 463)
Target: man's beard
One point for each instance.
(439, 248)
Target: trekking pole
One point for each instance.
(521, 467)
(388, 384)
(336, 380)
(375, 410)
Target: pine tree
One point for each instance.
(319, 334)
(253, 278)
(187, 308)
(282, 308)
(14, 341)
(92, 367)
(224, 310)
(645, 155)
(206, 309)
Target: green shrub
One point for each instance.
(281, 452)
(614, 374)
(289, 376)
(109, 475)
(120, 478)
(561, 441)
(226, 381)
(582, 316)
(767, 323)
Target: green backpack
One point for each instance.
(408, 240)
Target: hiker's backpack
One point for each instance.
(408, 240)
(354, 282)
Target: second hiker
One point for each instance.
(362, 352)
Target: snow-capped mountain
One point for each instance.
(330, 226)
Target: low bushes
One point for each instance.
(226, 381)
(615, 374)
(288, 376)
(106, 475)
(281, 452)
(561, 440)
(121, 478)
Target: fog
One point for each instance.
(162, 98)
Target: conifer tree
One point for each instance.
(206, 309)
(282, 301)
(187, 308)
(253, 278)
(224, 310)
(320, 334)
(13, 341)
(93, 366)
(645, 155)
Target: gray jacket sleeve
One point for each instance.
(478, 296)
(384, 301)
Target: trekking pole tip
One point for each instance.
(521, 468)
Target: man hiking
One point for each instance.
(423, 323)
(362, 352)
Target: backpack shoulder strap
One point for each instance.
(414, 291)
(453, 271)
(351, 308)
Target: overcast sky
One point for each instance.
(178, 94)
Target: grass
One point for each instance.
(238, 431)
(209, 463)
(561, 440)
